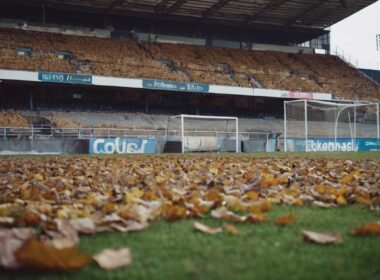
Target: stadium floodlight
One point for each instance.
(311, 125)
(204, 133)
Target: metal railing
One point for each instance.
(77, 133)
(30, 133)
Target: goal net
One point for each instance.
(204, 133)
(311, 125)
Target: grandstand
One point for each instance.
(65, 72)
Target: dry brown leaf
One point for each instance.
(83, 225)
(129, 226)
(229, 228)
(10, 241)
(256, 218)
(111, 259)
(323, 204)
(285, 220)
(321, 238)
(173, 212)
(252, 195)
(206, 229)
(6, 221)
(228, 216)
(68, 236)
(368, 229)
(37, 255)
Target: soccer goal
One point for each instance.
(311, 125)
(204, 133)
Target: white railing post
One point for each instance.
(285, 129)
(237, 135)
(378, 121)
(306, 127)
(182, 134)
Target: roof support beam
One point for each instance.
(305, 12)
(218, 5)
(176, 6)
(114, 4)
(320, 17)
(161, 7)
(272, 5)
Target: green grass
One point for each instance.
(265, 251)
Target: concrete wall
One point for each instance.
(45, 146)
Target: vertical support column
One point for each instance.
(285, 129)
(354, 136)
(237, 135)
(378, 121)
(182, 134)
(44, 7)
(306, 127)
(31, 106)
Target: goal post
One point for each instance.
(311, 125)
(190, 128)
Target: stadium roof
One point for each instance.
(296, 13)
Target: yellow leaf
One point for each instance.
(252, 195)
(231, 229)
(341, 200)
(38, 177)
(213, 170)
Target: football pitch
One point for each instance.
(260, 205)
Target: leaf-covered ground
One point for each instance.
(260, 204)
(176, 251)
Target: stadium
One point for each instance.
(87, 85)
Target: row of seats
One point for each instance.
(12, 118)
(187, 63)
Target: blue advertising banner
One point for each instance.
(64, 78)
(174, 86)
(122, 146)
(329, 145)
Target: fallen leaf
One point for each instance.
(321, 238)
(110, 259)
(38, 255)
(256, 218)
(284, 220)
(6, 221)
(368, 229)
(128, 226)
(323, 204)
(68, 236)
(252, 195)
(228, 216)
(205, 229)
(231, 229)
(12, 240)
(173, 212)
(83, 225)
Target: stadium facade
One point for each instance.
(75, 69)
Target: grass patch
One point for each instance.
(176, 251)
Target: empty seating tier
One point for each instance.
(39, 51)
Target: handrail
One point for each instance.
(86, 133)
